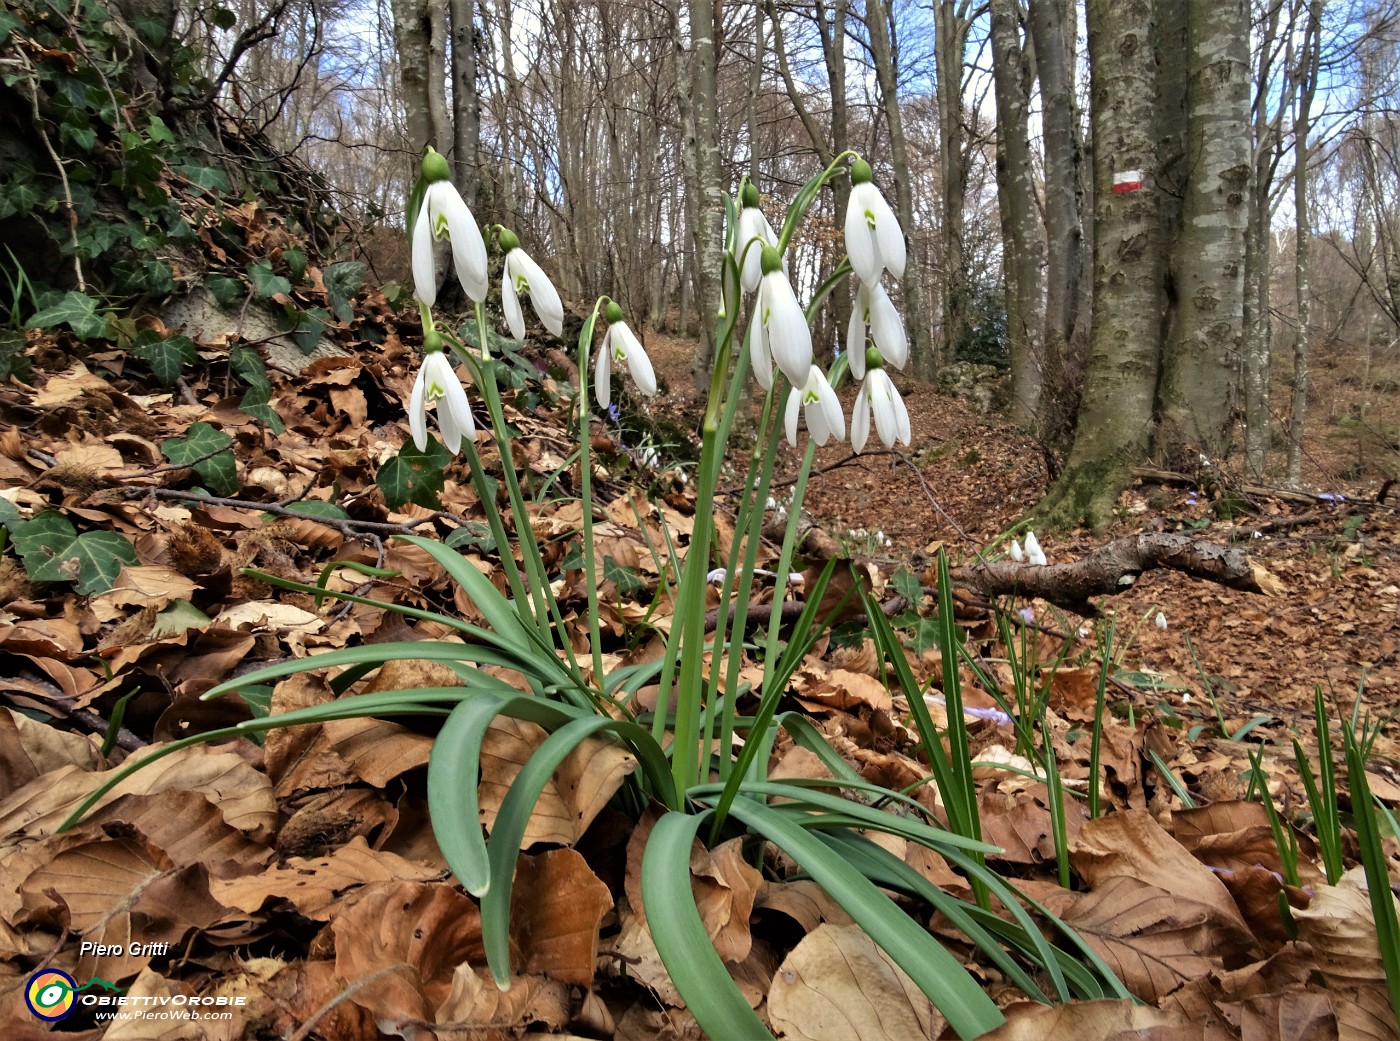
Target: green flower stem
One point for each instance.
(585, 468)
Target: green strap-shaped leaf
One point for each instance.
(681, 939)
(453, 766)
(937, 973)
(504, 846)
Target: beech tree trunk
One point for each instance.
(1205, 335)
(1309, 62)
(951, 21)
(1020, 226)
(1115, 416)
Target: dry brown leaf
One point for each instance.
(311, 988)
(1154, 940)
(190, 829)
(1133, 844)
(242, 794)
(1341, 928)
(316, 887)
(408, 936)
(836, 983)
(557, 904)
(119, 894)
(805, 902)
(474, 1002)
(28, 749)
(1020, 824)
(149, 996)
(1101, 1021)
(578, 791)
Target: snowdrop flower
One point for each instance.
(1016, 553)
(621, 344)
(1160, 621)
(437, 382)
(779, 331)
(874, 241)
(520, 274)
(874, 315)
(819, 403)
(878, 395)
(754, 232)
(444, 214)
(1034, 554)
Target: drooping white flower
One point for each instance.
(520, 274)
(1015, 551)
(819, 404)
(1160, 621)
(879, 396)
(437, 382)
(444, 214)
(779, 331)
(874, 315)
(1034, 554)
(753, 233)
(621, 345)
(874, 240)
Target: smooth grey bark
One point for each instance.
(466, 106)
(1022, 252)
(1310, 60)
(1204, 337)
(884, 51)
(1063, 338)
(1115, 415)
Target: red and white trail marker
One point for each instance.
(1127, 181)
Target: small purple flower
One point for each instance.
(614, 413)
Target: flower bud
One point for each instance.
(613, 313)
(772, 260)
(861, 172)
(435, 166)
(508, 240)
(748, 195)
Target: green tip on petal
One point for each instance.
(860, 172)
(508, 240)
(613, 313)
(748, 196)
(432, 341)
(873, 358)
(772, 260)
(435, 166)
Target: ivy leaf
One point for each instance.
(309, 327)
(76, 309)
(414, 476)
(342, 282)
(319, 508)
(907, 585)
(206, 177)
(265, 283)
(296, 260)
(160, 132)
(258, 404)
(38, 539)
(206, 449)
(625, 578)
(226, 290)
(166, 357)
(94, 560)
(472, 535)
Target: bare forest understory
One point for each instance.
(302, 875)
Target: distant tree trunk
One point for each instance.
(466, 106)
(413, 31)
(1309, 62)
(1204, 338)
(1020, 226)
(1052, 30)
(1115, 416)
(698, 106)
(951, 21)
(1257, 327)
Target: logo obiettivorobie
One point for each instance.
(51, 994)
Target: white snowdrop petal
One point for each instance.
(424, 271)
(855, 337)
(510, 304)
(861, 246)
(602, 371)
(829, 407)
(889, 237)
(417, 416)
(759, 358)
(789, 338)
(544, 298)
(794, 403)
(887, 329)
(860, 420)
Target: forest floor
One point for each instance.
(302, 877)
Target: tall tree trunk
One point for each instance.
(1115, 417)
(1309, 60)
(466, 108)
(1204, 338)
(884, 50)
(951, 22)
(1020, 226)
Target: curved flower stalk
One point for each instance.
(621, 345)
(779, 331)
(754, 233)
(437, 382)
(874, 240)
(444, 214)
(820, 406)
(874, 317)
(879, 396)
(522, 275)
